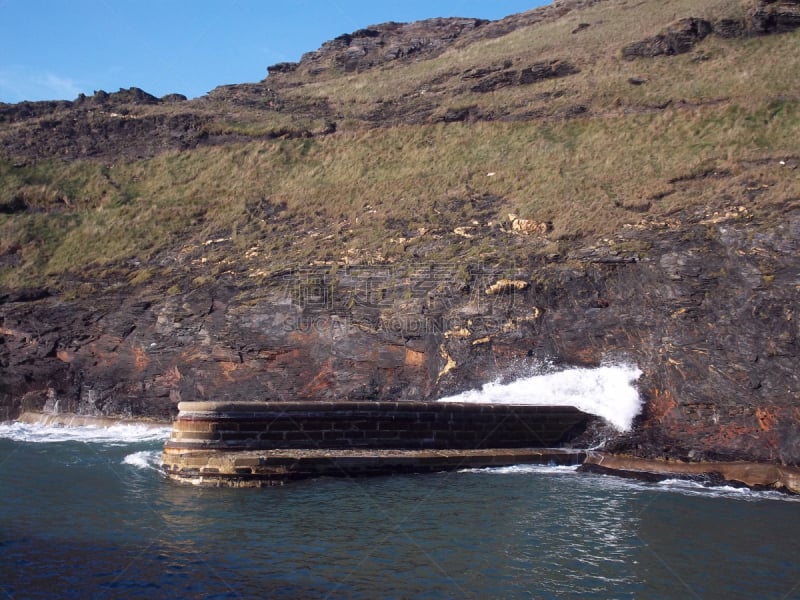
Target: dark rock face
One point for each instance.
(774, 16)
(13, 113)
(729, 28)
(766, 17)
(173, 98)
(678, 38)
(542, 71)
(708, 313)
(533, 74)
(132, 95)
(99, 126)
(140, 357)
(89, 134)
(466, 114)
(379, 44)
(284, 67)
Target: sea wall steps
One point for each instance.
(248, 468)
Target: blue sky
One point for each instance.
(56, 49)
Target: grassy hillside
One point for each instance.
(714, 129)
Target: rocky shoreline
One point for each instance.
(758, 476)
(73, 420)
(706, 312)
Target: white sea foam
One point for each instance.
(145, 459)
(527, 469)
(608, 392)
(695, 488)
(115, 434)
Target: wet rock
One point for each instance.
(753, 475)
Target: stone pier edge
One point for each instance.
(242, 468)
(759, 476)
(268, 468)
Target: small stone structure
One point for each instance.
(263, 443)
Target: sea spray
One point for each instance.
(608, 392)
(113, 435)
(707, 490)
(526, 470)
(144, 459)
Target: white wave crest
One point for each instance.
(114, 434)
(608, 392)
(145, 459)
(527, 470)
(695, 488)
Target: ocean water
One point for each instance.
(87, 513)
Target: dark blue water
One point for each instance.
(97, 520)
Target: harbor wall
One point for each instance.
(372, 425)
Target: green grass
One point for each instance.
(396, 193)
(739, 69)
(359, 191)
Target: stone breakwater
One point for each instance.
(255, 444)
(262, 443)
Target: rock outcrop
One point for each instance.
(113, 126)
(754, 475)
(379, 44)
(774, 16)
(533, 74)
(765, 17)
(678, 38)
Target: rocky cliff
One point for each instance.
(708, 312)
(687, 267)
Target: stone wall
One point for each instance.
(371, 425)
